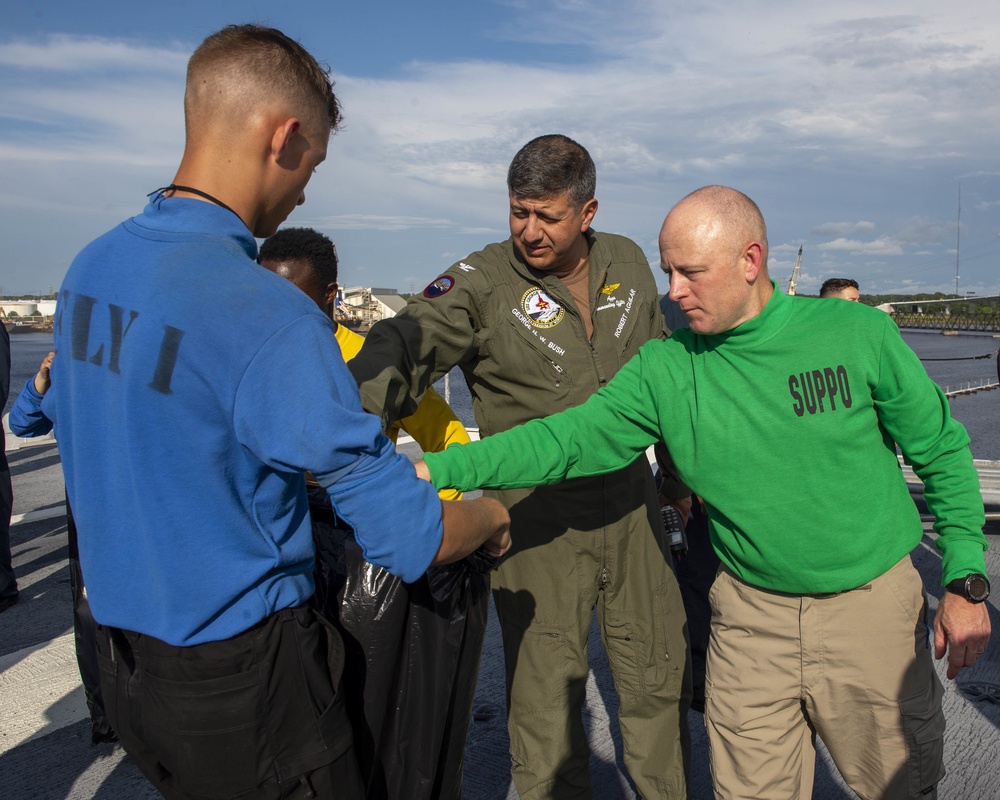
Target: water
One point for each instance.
(26, 352)
(980, 413)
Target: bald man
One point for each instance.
(776, 409)
(192, 391)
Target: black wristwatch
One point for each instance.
(975, 587)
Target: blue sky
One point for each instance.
(851, 124)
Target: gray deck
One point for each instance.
(45, 750)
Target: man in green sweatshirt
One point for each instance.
(783, 414)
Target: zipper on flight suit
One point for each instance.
(595, 301)
(604, 577)
(559, 371)
(595, 361)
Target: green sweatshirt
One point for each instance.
(785, 426)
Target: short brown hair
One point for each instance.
(247, 63)
(550, 165)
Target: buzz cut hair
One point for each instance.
(243, 66)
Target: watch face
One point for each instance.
(978, 587)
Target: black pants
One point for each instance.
(8, 586)
(85, 636)
(695, 575)
(260, 715)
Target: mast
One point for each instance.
(958, 235)
(793, 281)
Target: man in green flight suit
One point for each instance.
(538, 324)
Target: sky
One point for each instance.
(867, 133)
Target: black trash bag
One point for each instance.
(411, 659)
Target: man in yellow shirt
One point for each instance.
(308, 259)
(414, 647)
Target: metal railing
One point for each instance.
(982, 323)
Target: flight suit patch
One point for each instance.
(439, 287)
(542, 310)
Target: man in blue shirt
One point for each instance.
(191, 391)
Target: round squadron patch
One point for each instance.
(439, 287)
(542, 310)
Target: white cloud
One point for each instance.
(819, 112)
(78, 55)
(884, 246)
(374, 222)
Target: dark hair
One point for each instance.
(836, 285)
(306, 244)
(552, 164)
(264, 58)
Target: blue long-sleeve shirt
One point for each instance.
(190, 391)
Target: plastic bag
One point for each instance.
(412, 659)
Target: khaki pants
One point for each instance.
(854, 668)
(545, 594)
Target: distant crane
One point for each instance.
(793, 281)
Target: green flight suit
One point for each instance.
(521, 343)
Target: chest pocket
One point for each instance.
(529, 365)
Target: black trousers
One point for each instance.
(695, 575)
(85, 636)
(8, 586)
(260, 715)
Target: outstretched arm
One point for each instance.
(607, 432)
(403, 355)
(469, 524)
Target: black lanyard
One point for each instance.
(175, 188)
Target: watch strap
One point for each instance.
(974, 587)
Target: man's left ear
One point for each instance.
(589, 209)
(282, 137)
(331, 295)
(754, 259)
